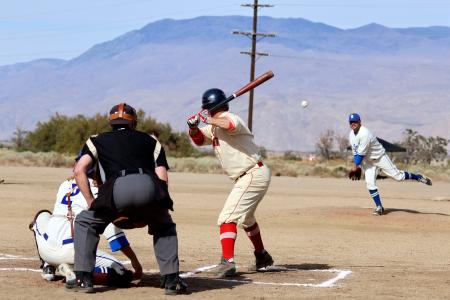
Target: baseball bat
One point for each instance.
(249, 86)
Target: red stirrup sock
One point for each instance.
(228, 233)
(254, 235)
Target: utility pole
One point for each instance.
(254, 35)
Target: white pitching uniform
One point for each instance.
(54, 234)
(364, 143)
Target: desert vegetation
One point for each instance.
(55, 143)
(63, 134)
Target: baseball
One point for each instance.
(304, 103)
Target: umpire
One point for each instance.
(133, 168)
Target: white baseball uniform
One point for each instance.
(54, 234)
(364, 143)
(241, 160)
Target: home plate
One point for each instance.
(273, 269)
(276, 276)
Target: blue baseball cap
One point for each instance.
(354, 117)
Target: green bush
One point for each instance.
(65, 134)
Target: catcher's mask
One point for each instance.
(122, 114)
(211, 98)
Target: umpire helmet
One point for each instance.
(122, 114)
(211, 98)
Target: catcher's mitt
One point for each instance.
(127, 223)
(355, 174)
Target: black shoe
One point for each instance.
(263, 260)
(82, 283)
(174, 284)
(48, 272)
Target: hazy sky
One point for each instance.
(31, 29)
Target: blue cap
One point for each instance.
(354, 117)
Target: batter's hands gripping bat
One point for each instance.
(249, 86)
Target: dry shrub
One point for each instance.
(209, 164)
(339, 172)
(30, 159)
(204, 164)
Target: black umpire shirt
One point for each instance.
(124, 149)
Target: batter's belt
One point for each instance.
(259, 165)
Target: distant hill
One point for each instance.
(395, 78)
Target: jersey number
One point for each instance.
(75, 191)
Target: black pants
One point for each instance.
(134, 194)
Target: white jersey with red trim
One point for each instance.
(58, 231)
(234, 147)
(364, 143)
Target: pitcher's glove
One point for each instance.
(355, 174)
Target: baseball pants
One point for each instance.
(132, 193)
(56, 253)
(384, 164)
(244, 198)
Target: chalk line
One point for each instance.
(341, 274)
(21, 269)
(4, 256)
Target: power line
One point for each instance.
(254, 37)
(426, 4)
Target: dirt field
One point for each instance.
(317, 228)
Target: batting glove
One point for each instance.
(204, 115)
(193, 121)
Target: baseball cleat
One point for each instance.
(263, 261)
(82, 283)
(225, 268)
(378, 211)
(66, 271)
(425, 179)
(48, 272)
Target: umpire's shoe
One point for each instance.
(82, 283)
(173, 284)
(263, 260)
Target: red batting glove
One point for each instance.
(204, 115)
(193, 121)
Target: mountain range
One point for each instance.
(395, 78)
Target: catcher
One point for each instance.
(369, 154)
(54, 235)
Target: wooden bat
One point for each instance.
(249, 86)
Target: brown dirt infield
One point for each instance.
(308, 224)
